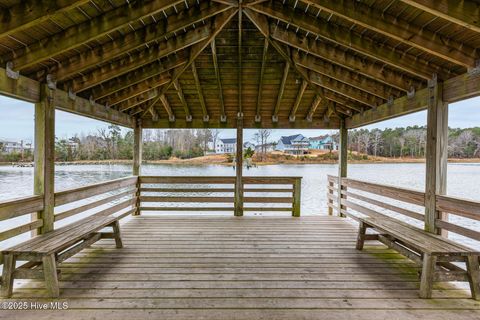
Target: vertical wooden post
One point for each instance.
(137, 160)
(239, 168)
(297, 194)
(44, 157)
(342, 164)
(436, 153)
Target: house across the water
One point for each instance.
(325, 142)
(296, 144)
(229, 145)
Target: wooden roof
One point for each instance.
(285, 64)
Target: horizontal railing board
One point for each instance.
(215, 199)
(68, 213)
(469, 233)
(217, 180)
(18, 207)
(186, 208)
(75, 194)
(462, 207)
(10, 233)
(187, 190)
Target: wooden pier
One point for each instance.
(242, 268)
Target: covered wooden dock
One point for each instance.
(240, 64)
(214, 267)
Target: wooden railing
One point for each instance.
(211, 191)
(371, 199)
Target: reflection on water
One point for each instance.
(462, 178)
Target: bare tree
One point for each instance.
(376, 141)
(364, 140)
(261, 136)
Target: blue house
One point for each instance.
(324, 142)
(296, 144)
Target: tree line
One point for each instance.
(411, 142)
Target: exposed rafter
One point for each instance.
(219, 79)
(219, 22)
(349, 39)
(281, 89)
(315, 103)
(136, 100)
(240, 69)
(168, 109)
(295, 106)
(198, 85)
(80, 34)
(136, 40)
(186, 109)
(27, 14)
(464, 13)
(407, 33)
(260, 81)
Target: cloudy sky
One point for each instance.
(16, 121)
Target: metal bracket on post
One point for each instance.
(411, 93)
(155, 117)
(10, 72)
(71, 94)
(188, 118)
(206, 118)
(309, 117)
(390, 101)
(291, 118)
(475, 70)
(223, 118)
(91, 100)
(240, 115)
(274, 118)
(433, 82)
(326, 119)
(258, 118)
(51, 83)
(171, 118)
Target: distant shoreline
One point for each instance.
(223, 160)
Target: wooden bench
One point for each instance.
(44, 252)
(433, 253)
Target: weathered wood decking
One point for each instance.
(242, 268)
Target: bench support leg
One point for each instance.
(473, 272)
(426, 280)
(362, 230)
(7, 276)
(116, 234)
(50, 274)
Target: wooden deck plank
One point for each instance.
(247, 268)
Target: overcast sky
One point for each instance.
(16, 121)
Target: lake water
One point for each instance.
(463, 178)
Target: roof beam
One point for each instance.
(353, 41)
(106, 89)
(28, 13)
(186, 109)
(260, 81)
(166, 105)
(219, 80)
(403, 31)
(136, 40)
(136, 100)
(315, 103)
(239, 71)
(198, 86)
(343, 75)
(89, 30)
(455, 89)
(219, 22)
(281, 90)
(345, 60)
(135, 61)
(298, 99)
(464, 13)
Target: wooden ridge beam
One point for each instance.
(181, 97)
(216, 26)
(29, 13)
(298, 99)
(281, 89)
(168, 109)
(345, 60)
(138, 60)
(344, 75)
(136, 100)
(403, 31)
(198, 86)
(348, 39)
(219, 80)
(455, 89)
(260, 81)
(87, 31)
(464, 13)
(135, 40)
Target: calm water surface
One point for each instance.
(463, 179)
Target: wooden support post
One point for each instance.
(51, 276)
(8, 275)
(436, 154)
(342, 164)
(297, 194)
(137, 160)
(239, 168)
(44, 157)
(426, 279)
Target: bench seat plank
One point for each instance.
(61, 238)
